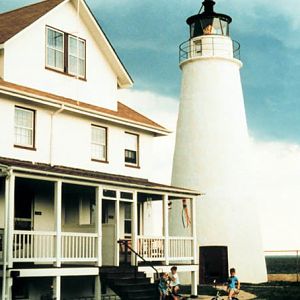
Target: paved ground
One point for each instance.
(242, 296)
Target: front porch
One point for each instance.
(85, 221)
(57, 221)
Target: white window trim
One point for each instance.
(53, 48)
(78, 58)
(32, 128)
(100, 144)
(137, 164)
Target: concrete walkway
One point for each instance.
(242, 296)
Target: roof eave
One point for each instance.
(167, 189)
(102, 115)
(124, 78)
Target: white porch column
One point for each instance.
(57, 288)
(117, 229)
(8, 288)
(134, 227)
(99, 192)
(57, 209)
(97, 288)
(10, 203)
(166, 226)
(194, 230)
(194, 283)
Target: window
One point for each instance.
(127, 218)
(55, 49)
(65, 53)
(131, 149)
(99, 143)
(76, 56)
(24, 127)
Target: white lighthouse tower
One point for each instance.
(212, 151)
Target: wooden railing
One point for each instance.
(79, 246)
(33, 246)
(181, 248)
(153, 248)
(40, 246)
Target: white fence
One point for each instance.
(154, 248)
(40, 246)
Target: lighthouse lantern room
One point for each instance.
(209, 35)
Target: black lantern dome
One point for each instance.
(209, 22)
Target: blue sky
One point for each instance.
(146, 35)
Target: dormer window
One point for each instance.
(65, 53)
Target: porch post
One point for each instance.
(117, 229)
(99, 224)
(166, 226)
(194, 283)
(57, 206)
(9, 284)
(97, 288)
(134, 229)
(194, 230)
(57, 288)
(10, 202)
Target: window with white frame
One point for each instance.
(65, 53)
(76, 60)
(131, 149)
(99, 143)
(127, 219)
(24, 127)
(55, 49)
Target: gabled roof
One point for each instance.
(123, 113)
(14, 21)
(88, 175)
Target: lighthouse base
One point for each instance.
(229, 237)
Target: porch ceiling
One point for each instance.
(89, 176)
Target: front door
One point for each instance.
(109, 234)
(213, 264)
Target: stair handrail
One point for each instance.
(125, 243)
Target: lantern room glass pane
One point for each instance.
(208, 26)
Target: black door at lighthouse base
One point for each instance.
(213, 264)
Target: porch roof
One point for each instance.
(89, 176)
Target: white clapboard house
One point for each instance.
(77, 212)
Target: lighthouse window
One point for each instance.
(217, 28)
(131, 149)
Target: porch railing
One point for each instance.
(79, 246)
(33, 246)
(153, 248)
(181, 248)
(40, 246)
